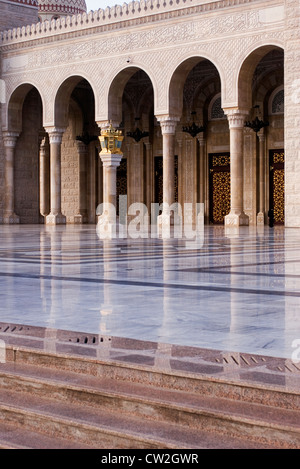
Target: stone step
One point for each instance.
(264, 391)
(151, 406)
(108, 392)
(101, 429)
(14, 437)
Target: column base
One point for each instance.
(260, 219)
(10, 219)
(234, 219)
(57, 219)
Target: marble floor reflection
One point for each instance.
(226, 291)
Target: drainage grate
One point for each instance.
(250, 361)
(234, 360)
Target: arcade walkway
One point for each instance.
(225, 292)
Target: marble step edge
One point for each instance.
(233, 387)
(186, 422)
(14, 437)
(107, 435)
(84, 432)
(138, 399)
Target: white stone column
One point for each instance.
(168, 128)
(10, 140)
(261, 213)
(55, 137)
(107, 220)
(44, 178)
(201, 140)
(81, 216)
(149, 176)
(236, 217)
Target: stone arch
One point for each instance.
(25, 117)
(177, 82)
(116, 91)
(16, 100)
(62, 99)
(246, 73)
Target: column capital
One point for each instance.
(55, 134)
(261, 135)
(110, 159)
(107, 123)
(10, 139)
(201, 139)
(168, 123)
(236, 117)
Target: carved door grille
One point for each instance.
(277, 185)
(219, 187)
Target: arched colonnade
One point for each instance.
(53, 172)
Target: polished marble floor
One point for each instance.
(225, 291)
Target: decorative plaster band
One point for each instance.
(145, 10)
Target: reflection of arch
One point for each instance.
(246, 72)
(15, 106)
(178, 80)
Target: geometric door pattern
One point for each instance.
(219, 187)
(276, 159)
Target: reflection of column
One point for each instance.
(106, 311)
(44, 178)
(10, 140)
(55, 217)
(236, 216)
(261, 214)
(168, 128)
(81, 216)
(47, 305)
(169, 322)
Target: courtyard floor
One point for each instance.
(224, 291)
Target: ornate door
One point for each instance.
(276, 158)
(219, 187)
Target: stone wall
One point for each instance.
(1, 170)
(14, 14)
(292, 113)
(70, 175)
(27, 161)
